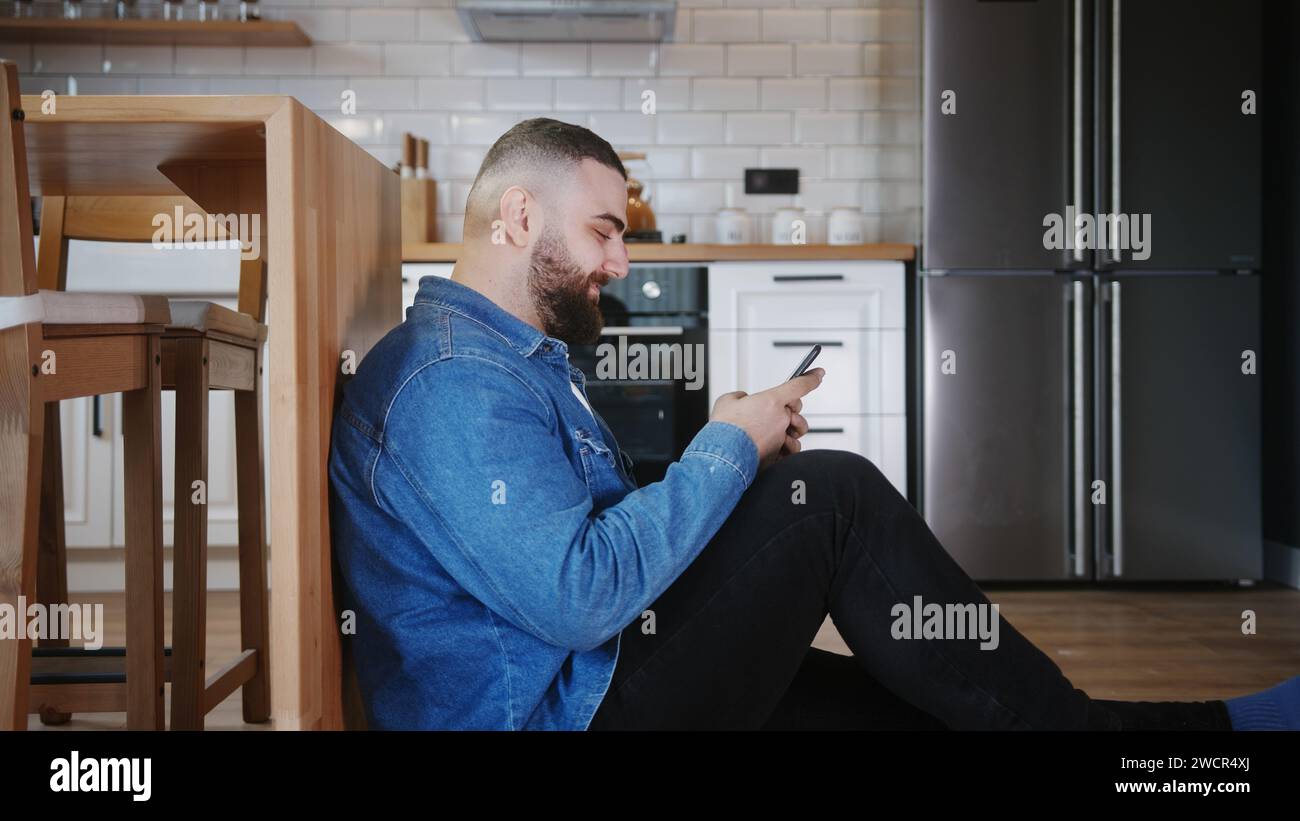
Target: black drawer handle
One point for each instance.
(808, 277)
(96, 424)
(779, 343)
(826, 430)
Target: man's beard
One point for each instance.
(560, 292)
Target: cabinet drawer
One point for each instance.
(864, 369)
(882, 439)
(766, 296)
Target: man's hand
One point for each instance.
(770, 417)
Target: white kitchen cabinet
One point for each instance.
(763, 318)
(87, 471)
(412, 272)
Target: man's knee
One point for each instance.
(843, 470)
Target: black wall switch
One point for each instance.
(771, 180)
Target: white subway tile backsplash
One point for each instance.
(319, 93)
(670, 94)
(823, 195)
(588, 94)
(722, 163)
(247, 85)
(888, 127)
(689, 129)
(209, 60)
(688, 197)
(812, 59)
(754, 128)
(692, 60)
(485, 59)
(377, 94)
(872, 162)
(382, 25)
(661, 163)
(106, 84)
(480, 129)
(20, 54)
(875, 25)
(554, 59)
(726, 26)
(451, 93)
(625, 127)
(278, 61)
(456, 162)
(724, 94)
(897, 59)
(519, 94)
(418, 59)
(827, 127)
(140, 59)
(873, 93)
(794, 25)
(353, 59)
(775, 60)
(623, 59)
(321, 25)
(442, 25)
(60, 58)
(434, 127)
(794, 93)
(175, 85)
(811, 162)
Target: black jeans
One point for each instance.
(731, 647)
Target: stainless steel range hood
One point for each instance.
(563, 20)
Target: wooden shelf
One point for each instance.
(669, 252)
(154, 32)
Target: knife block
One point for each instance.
(419, 210)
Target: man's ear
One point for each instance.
(518, 212)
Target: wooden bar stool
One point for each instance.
(205, 347)
(57, 346)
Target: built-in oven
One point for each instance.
(646, 376)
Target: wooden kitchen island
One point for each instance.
(331, 237)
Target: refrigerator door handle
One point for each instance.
(1076, 120)
(1116, 438)
(1080, 490)
(1114, 254)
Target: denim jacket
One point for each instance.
(491, 537)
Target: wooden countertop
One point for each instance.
(687, 252)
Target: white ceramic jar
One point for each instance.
(844, 226)
(733, 227)
(784, 225)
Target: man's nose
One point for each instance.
(618, 263)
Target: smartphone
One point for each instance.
(807, 361)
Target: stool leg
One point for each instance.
(20, 483)
(250, 477)
(142, 457)
(190, 541)
(52, 558)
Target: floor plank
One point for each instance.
(1140, 644)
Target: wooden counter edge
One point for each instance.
(687, 252)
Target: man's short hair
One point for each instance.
(536, 149)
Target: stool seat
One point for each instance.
(199, 315)
(82, 308)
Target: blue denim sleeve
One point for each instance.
(473, 462)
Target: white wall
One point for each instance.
(828, 86)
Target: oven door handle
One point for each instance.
(643, 330)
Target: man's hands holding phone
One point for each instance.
(770, 417)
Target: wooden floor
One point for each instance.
(1139, 644)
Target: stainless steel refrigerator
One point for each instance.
(1089, 411)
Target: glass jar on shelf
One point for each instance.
(72, 9)
(173, 10)
(249, 11)
(24, 8)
